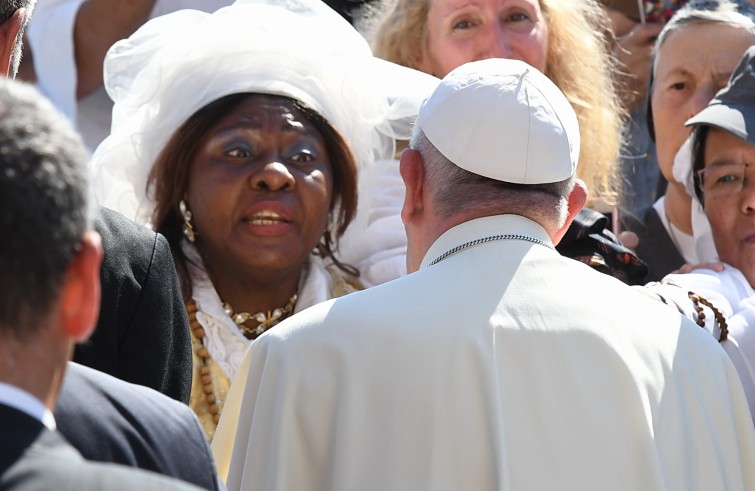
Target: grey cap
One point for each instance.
(733, 107)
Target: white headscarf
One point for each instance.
(178, 63)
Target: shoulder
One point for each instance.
(107, 406)
(112, 223)
(86, 389)
(49, 462)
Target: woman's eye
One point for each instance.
(462, 24)
(518, 17)
(303, 157)
(239, 153)
(678, 86)
(727, 179)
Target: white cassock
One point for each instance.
(502, 367)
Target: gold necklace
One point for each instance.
(264, 320)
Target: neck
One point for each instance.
(256, 293)
(678, 207)
(34, 366)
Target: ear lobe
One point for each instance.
(576, 201)
(412, 173)
(80, 295)
(8, 34)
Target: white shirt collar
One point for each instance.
(16, 398)
(484, 227)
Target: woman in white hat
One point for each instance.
(238, 135)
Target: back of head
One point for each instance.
(44, 205)
(496, 133)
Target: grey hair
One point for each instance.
(456, 190)
(45, 205)
(7, 9)
(736, 13)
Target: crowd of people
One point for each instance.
(377, 244)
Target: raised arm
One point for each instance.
(99, 24)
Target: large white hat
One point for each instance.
(178, 63)
(505, 120)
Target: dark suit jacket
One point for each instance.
(109, 420)
(33, 458)
(143, 332)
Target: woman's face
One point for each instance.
(732, 215)
(691, 66)
(260, 188)
(460, 31)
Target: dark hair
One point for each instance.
(169, 177)
(44, 205)
(9, 7)
(699, 137)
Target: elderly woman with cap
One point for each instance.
(695, 55)
(247, 164)
(723, 147)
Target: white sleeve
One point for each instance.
(50, 36)
(730, 293)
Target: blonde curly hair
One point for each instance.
(580, 63)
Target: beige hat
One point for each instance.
(504, 120)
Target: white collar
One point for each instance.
(480, 228)
(17, 398)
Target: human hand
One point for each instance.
(688, 268)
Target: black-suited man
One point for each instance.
(49, 297)
(106, 419)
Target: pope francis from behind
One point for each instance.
(497, 364)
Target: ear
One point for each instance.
(80, 296)
(412, 172)
(8, 34)
(576, 201)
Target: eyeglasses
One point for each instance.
(722, 180)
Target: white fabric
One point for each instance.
(705, 247)
(684, 242)
(223, 339)
(298, 48)
(503, 367)
(731, 294)
(375, 241)
(523, 129)
(17, 398)
(50, 36)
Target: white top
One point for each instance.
(12, 396)
(502, 367)
(50, 36)
(730, 292)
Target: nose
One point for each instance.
(273, 176)
(497, 43)
(747, 198)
